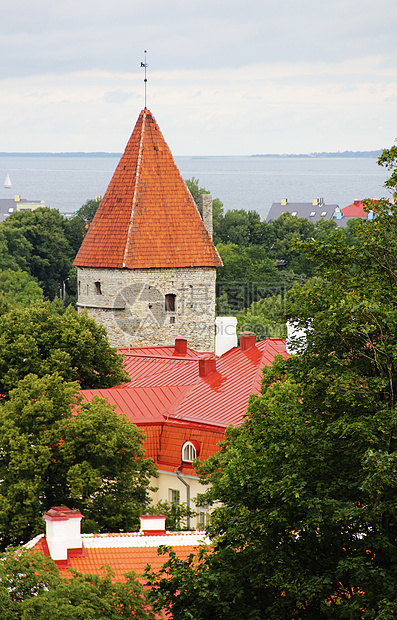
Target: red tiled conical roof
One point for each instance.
(147, 217)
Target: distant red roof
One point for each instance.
(166, 390)
(355, 210)
(147, 217)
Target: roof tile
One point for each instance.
(147, 217)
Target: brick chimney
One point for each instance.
(206, 212)
(247, 340)
(207, 365)
(63, 532)
(152, 525)
(180, 346)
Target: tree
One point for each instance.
(388, 160)
(56, 450)
(306, 520)
(18, 287)
(217, 206)
(38, 340)
(31, 587)
(264, 317)
(246, 275)
(37, 242)
(240, 227)
(80, 222)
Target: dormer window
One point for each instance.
(169, 304)
(98, 290)
(189, 452)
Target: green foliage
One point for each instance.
(80, 222)
(241, 227)
(388, 160)
(18, 287)
(37, 242)
(217, 206)
(305, 517)
(264, 317)
(39, 340)
(31, 587)
(57, 451)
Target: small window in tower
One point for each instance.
(79, 287)
(172, 319)
(98, 288)
(170, 302)
(189, 452)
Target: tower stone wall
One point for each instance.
(151, 307)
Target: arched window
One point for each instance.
(98, 289)
(189, 452)
(170, 302)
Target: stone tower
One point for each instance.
(147, 266)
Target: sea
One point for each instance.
(250, 183)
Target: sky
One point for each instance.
(225, 77)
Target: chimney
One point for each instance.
(207, 365)
(284, 202)
(225, 334)
(63, 533)
(356, 202)
(315, 202)
(180, 346)
(206, 211)
(152, 525)
(247, 340)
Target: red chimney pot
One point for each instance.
(207, 365)
(181, 345)
(247, 340)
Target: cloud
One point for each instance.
(224, 76)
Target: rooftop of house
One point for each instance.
(147, 217)
(195, 388)
(356, 209)
(11, 205)
(123, 553)
(313, 211)
(180, 397)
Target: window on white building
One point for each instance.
(174, 496)
(189, 452)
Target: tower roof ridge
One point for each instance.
(147, 217)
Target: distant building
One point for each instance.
(11, 205)
(313, 211)
(318, 210)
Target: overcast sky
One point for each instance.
(225, 77)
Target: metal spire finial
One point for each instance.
(144, 64)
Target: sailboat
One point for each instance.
(7, 182)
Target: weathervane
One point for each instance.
(144, 64)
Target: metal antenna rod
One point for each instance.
(144, 64)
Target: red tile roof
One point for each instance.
(123, 553)
(147, 217)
